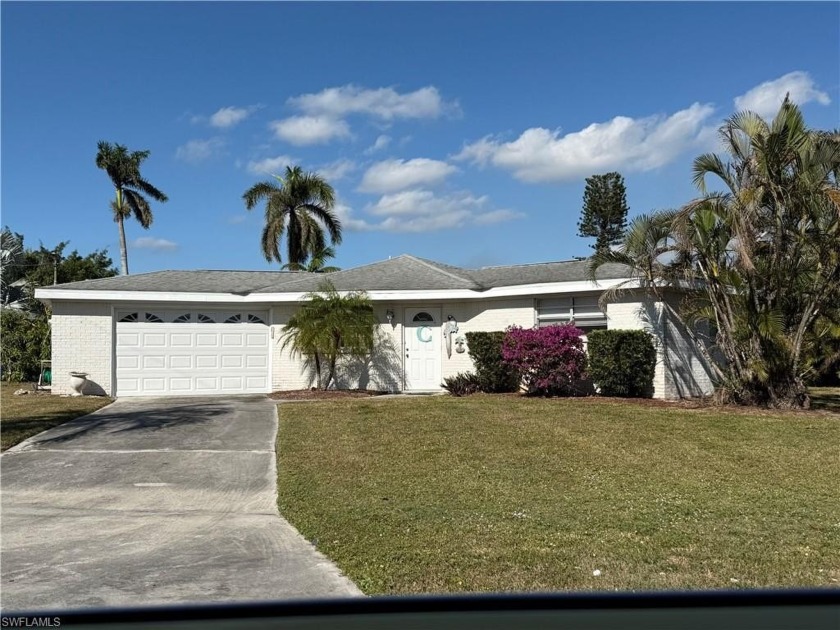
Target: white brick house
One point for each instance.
(219, 332)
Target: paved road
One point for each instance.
(154, 502)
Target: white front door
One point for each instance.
(191, 352)
(422, 349)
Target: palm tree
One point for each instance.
(317, 263)
(758, 261)
(123, 167)
(329, 325)
(299, 205)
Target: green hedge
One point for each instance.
(622, 362)
(485, 349)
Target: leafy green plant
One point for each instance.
(462, 384)
(622, 362)
(25, 340)
(493, 374)
(329, 325)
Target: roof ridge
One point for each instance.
(432, 264)
(533, 264)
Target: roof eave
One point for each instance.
(46, 294)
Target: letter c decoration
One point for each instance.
(424, 334)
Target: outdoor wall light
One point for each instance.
(389, 315)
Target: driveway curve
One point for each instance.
(154, 501)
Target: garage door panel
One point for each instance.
(209, 361)
(154, 385)
(128, 340)
(230, 340)
(180, 361)
(256, 361)
(128, 362)
(206, 383)
(257, 340)
(154, 361)
(154, 340)
(231, 383)
(180, 339)
(180, 384)
(232, 361)
(256, 382)
(207, 340)
(189, 358)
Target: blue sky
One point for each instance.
(458, 132)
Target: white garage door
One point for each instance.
(195, 352)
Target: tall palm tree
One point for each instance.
(317, 263)
(123, 167)
(299, 205)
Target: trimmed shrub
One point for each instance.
(462, 384)
(622, 362)
(551, 360)
(494, 375)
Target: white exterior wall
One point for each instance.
(82, 338)
(681, 371)
(688, 374)
(385, 369)
(630, 313)
(483, 316)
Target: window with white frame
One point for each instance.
(583, 310)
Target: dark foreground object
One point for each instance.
(765, 610)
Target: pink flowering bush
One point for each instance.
(551, 360)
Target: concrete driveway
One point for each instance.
(154, 502)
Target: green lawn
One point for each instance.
(24, 416)
(441, 494)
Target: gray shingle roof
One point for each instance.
(565, 271)
(403, 273)
(188, 281)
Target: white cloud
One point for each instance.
(766, 98)
(348, 221)
(160, 244)
(424, 211)
(640, 144)
(196, 151)
(392, 175)
(236, 219)
(303, 130)
(270, 166)
(383, 103)
(230, 116)
(337, 170)
(381, 142)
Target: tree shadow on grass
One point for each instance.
(825, 398)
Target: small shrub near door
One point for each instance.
(622, 362)
(551, 360)
(494, 375)
(462, 384)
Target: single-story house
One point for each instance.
(220, 332)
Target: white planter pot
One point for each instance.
(77, 382)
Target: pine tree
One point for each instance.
(604, 215)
